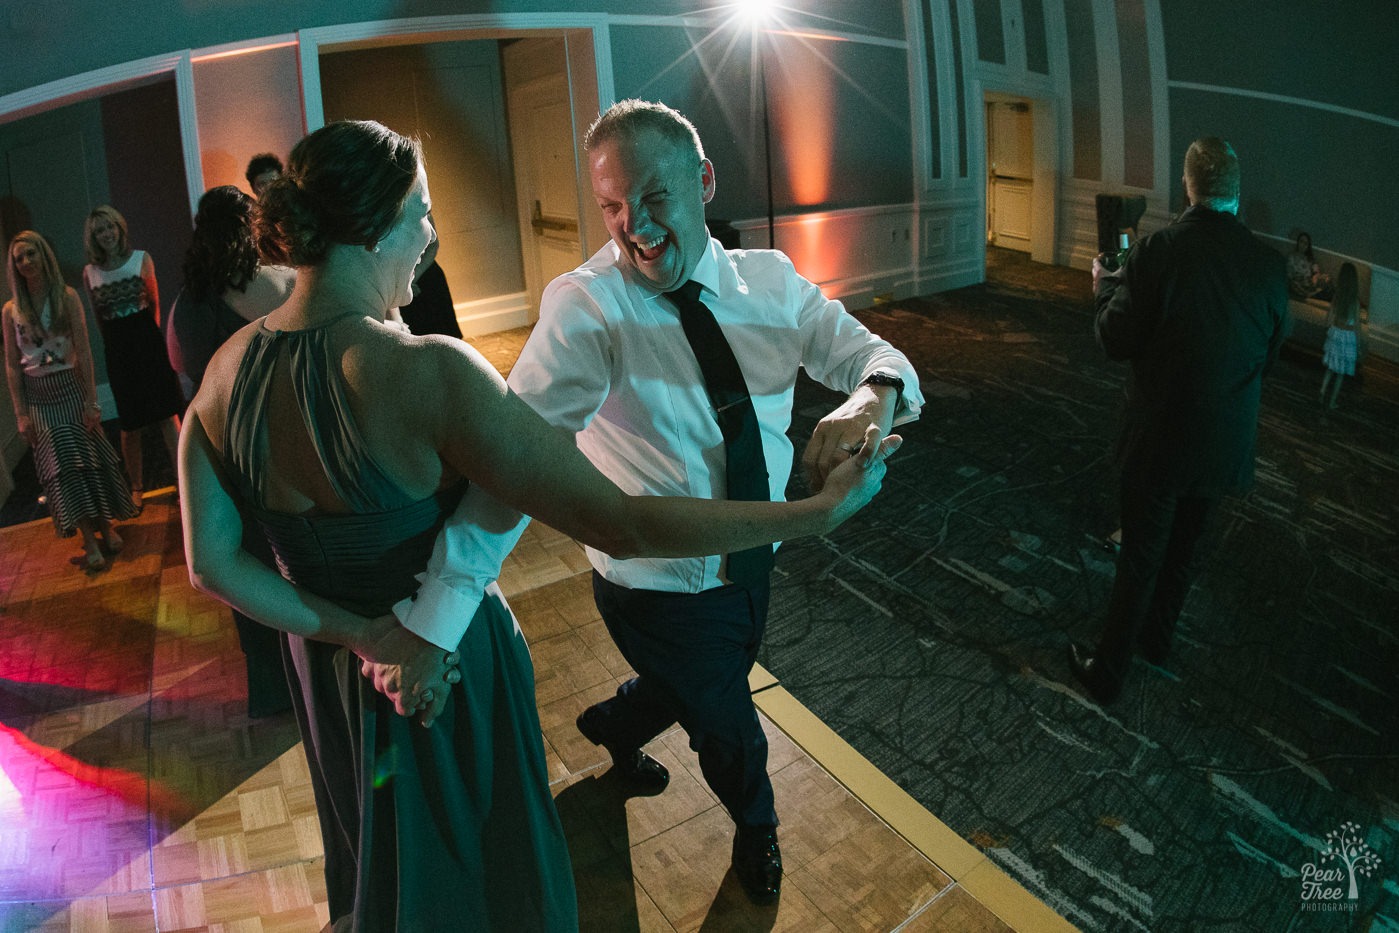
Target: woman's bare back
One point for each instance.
(384, 377)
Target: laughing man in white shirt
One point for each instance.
(609, 360)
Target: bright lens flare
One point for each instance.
(756, 13)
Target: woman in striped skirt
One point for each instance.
(48, 363)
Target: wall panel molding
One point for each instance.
(86, 85)
(420, 29)
(490, 315)
(1285, 99)
(888, 250)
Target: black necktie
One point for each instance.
(747, 470)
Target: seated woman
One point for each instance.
(311, 423)
(1304, 276)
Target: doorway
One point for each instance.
(121, 145)
(498, 114)
(547, 166)
(449, 96)
(1010, 172)
(1021, 166)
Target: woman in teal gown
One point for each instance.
(345, 443)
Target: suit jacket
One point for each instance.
(1200, 311)
(432, 311)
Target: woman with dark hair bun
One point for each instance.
(312, 426)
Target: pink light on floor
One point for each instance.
(9, 794)
(19, 752)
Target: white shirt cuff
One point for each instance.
(440, 614)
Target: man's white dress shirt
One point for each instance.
(609, 360)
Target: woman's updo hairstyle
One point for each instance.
(345, 183)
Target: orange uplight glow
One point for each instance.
(818, 36)
(806, 243)
(802, 90)
(242, 50)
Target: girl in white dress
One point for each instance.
(1340, 350)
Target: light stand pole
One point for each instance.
(767, 137)
(757, 14)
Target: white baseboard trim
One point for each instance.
(948, 275)
(1384, 342)
(494, 314)
(868, 238)
(854, 289)
(861, 291)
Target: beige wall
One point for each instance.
(246, 104)
(449, 95)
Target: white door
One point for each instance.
(1010, 163)
(546, 170)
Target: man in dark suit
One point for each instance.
(1200, 310)
(431, 311)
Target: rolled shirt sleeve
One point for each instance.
(840, 353)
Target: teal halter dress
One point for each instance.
(451, 828)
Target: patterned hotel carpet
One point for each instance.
(931, 631)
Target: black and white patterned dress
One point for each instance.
(138, 369)
(77, 468)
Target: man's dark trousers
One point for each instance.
(1163, 547)
(692, 653)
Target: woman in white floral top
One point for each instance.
(48, 364)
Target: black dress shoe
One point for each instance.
(1154, 650)
(639, 771)
(1089, 669)
(757, 860)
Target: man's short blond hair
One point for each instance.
(1212, 173)
(626, 119)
